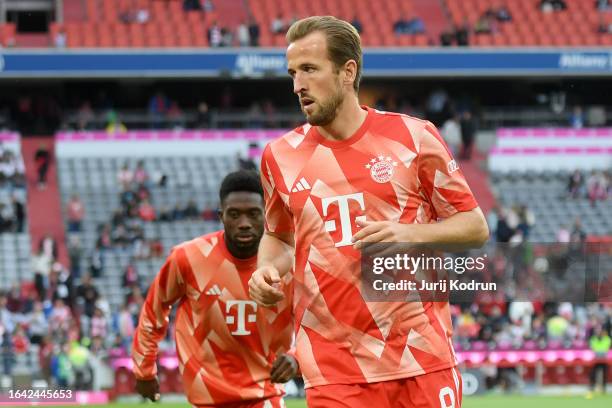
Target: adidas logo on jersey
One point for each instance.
(301, 185)
(214, 291)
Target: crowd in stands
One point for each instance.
(125, 229)
(12, 182)
(68, 328)
(597, 186)
(510, 224)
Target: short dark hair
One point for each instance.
(241, 180)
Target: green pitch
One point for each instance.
(496, 401)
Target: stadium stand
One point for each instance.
(120, 23)
(15, 250)
(188, 178)
(577, 25)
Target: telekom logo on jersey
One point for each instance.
(241, 315)
(345, 215)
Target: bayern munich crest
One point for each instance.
(381, 168)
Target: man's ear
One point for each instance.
(350, 72)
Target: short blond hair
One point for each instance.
(343, 41)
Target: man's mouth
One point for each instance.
(245, 238)
(306, 102)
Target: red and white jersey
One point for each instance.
(225, 343)
(396, 168)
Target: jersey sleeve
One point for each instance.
(440, 176)
(278, 218)
(165, 290)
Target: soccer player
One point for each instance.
(231, 352)
(353, 175)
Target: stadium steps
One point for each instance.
(432, 13)
(478, 179)
(44, 206)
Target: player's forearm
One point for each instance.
(166, 289)
(465, 229)
(276, 250)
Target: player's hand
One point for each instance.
(285, 367)
(149, 389)
(383, 231)
(264, 286)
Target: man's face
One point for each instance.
(316, 80)
(242, 214)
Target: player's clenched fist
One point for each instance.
(264, 286)
(148, 389)
(284, 368)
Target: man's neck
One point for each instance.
(350, 117)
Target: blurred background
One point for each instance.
(119, 118)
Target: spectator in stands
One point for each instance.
(486, 24)
(60, 39)
(468, 134)
(126, 326)
(141, 176)
(104, 240)
(600, 344)
(42, 158)
(563, 234)
(503, 14)
(156, 247)
(59, 320)
(113, 123)
(12, 170)
(192, 5)
(61, 284)
(355, 22)
(87, 295)
(254, 33)
(85, 116)
(575, 184)
(203, 118)
(597, 186)
(243, 35)
(451, 132)
(175, 117)
(210, 214)
(227, 37)
(125, 177)
(99, 325)
(603, 5)
(526, 221)
(75, 211)
(21, 343)
(164, 215)
(414, 25)
(462, 34)
(48, 247)
(578, 235)
(37, 324)
(215, 37)
(75, 253)
(159, 105)
(278, 25)
(178, 213)
(191, 211)
(18, 213)
(60, 366)
(577, 118)
(146, 212)
(548, 6)
(603, 27)
(6, 219)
